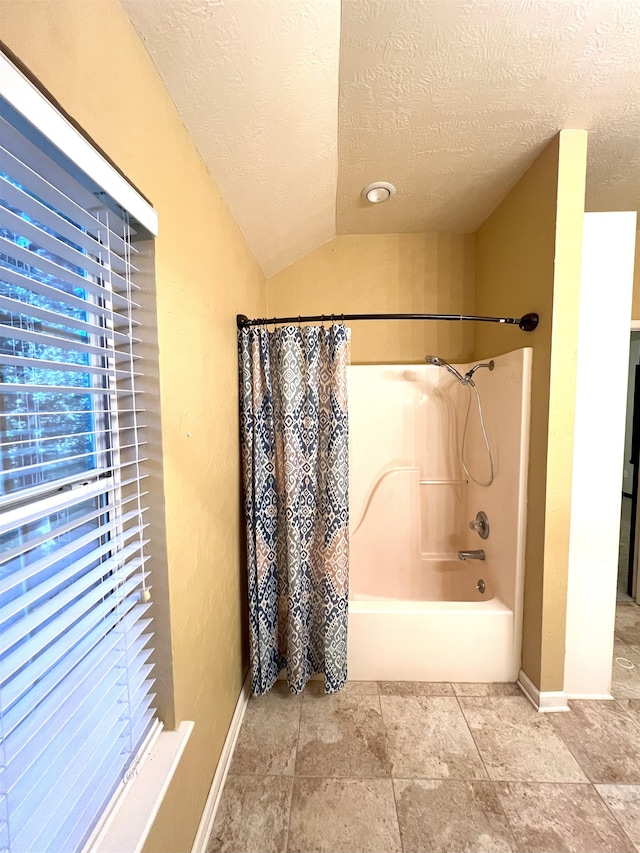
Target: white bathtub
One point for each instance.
(430, 625)
(392, 640)
(415, 613)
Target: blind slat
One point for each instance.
(42, 414)
(30, 311)
(32, 156)
(65, 499)
(71, 483)
(32, 542)
(54, 640)
(90, 266)
(39, 364)
(22, 387)
(76, 303)
(44, 339)
(30, 445)
(42, 466)
(19, 577)
(55, 709)
(85, 587)
(97, 635)
(20, 764)
(16, 197)
(61, 274)
(48, 802)
(91, 785)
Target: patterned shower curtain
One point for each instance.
(294, 431)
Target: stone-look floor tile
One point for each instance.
(351, 688)
(518, 744)
(556, 818)
(269, 734)
(253, 815)
(603, 738)
(342, 736)
(439, 816)
(494, 689)
(415, 688)
(631, 707)
(624, 803)
(429, 739)
(627, 628)
(343, 816)
(625, 672)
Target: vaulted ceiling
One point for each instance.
(296, 105)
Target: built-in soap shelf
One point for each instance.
(443, 482)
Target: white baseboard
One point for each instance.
(546, 701)
(215, 792)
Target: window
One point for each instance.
(75, 678)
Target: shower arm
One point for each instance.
(528, 322)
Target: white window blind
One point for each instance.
(76, 686)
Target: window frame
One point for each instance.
(144, 790)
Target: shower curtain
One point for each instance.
(294, 439)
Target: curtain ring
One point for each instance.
(299, 322)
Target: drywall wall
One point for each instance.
(528, 258)
(205, 274)
(608, 253)
(386, 273)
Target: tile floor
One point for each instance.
(403, 766)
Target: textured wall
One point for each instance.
(528, 257)
(205, 274)
(399, 273)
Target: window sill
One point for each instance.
(126, 826)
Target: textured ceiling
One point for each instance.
(256, 84)
(450, 100)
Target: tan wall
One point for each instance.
(91, 60)
(528, 256)
(635, 306)
(388, 273)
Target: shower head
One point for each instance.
(440, 362)
(490, 364)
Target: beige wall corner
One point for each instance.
(386, 273)
(572, 171)
(528, 256)
(205, 274)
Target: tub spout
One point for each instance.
(471, 555)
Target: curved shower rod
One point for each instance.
(527, 322)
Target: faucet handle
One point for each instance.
(480, 525)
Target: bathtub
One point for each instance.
(432, 624)
(396, 640)
(416, 612)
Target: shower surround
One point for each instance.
(416, 611)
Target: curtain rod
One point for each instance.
(527, 322)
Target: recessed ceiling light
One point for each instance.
(378, 192)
